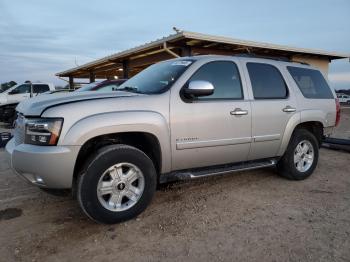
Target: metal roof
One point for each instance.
(199, 42)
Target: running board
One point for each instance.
(213, 171)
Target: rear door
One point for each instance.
(273, 104)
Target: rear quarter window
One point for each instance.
(311, 83)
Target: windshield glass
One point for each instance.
(157, 78)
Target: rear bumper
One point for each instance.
(44, 166)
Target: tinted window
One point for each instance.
(267, 81)
(40, 88)
(225, 78)
(310, 82)
(22, 89)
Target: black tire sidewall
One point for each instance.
(287, 167)
(105, 158)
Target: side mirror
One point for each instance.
(199, 88)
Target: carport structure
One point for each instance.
(129, 62)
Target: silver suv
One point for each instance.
(179, 119)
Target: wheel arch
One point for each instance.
(146, 142)
(313, 126)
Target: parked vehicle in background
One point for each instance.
(21, 92)
(8, 110)
(7, 85)
(184, 118)
(344, 99)
(10, 98)
(104, 86)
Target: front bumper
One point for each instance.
(45, 166)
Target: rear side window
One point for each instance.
(310, 82)
(40, 88)
(224, 76)
(267, 81)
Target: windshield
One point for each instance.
(157, 78)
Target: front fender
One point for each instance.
(117, 122)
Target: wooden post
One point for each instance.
(125, 69)
(186, 51)
(71, 82)
(92, 76)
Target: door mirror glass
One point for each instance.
(199, 88)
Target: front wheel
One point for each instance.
(117, 185)
(301, 156)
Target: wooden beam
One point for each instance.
(149, 60)
(211, 51)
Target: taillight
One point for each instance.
(337, 106)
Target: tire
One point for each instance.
(116, 202)
(287, 167)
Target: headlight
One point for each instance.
(43, 131)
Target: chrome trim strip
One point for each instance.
(212, 143)
(267, 138)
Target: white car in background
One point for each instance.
(21, 92)
(343, 98)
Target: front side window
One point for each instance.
(267, 81)
(310, 82)
(22, 89)
(225, 78)
(157, 78)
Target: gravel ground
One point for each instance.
(246, 216)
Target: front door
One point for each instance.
(213, 129)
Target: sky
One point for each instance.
(39, 38)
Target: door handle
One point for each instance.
(289, 109)
(239, 112)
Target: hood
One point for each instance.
(36, 105)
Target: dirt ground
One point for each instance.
(246, 216)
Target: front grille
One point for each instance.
(19, 132)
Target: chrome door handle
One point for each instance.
(239, 112)
(289, 109)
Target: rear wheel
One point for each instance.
(301, 156)
(117, 185)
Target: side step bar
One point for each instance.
(216, 170)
